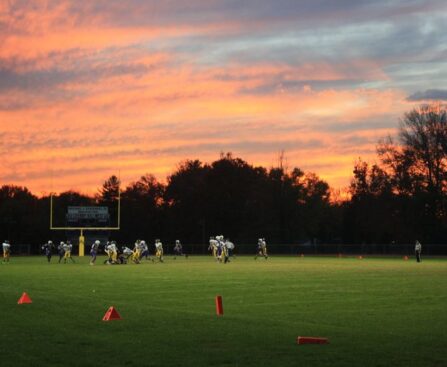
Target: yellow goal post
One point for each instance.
(82, 229)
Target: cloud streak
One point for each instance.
(89, 88)
(429, 95)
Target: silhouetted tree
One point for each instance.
(142, 214)
(417, 162)
(18, 208)
(185, 201)
(371, 213)
(109, 191)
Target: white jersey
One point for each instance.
(66, 247)
(158, 245)
(6, 246)
(229, 245)
(213, 243)
(418, 247)
(112, 247)
(127, 251)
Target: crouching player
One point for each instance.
(122, 259)
(48, 248)
(6, 251)
(94, 251)
(159, 250)
(112, 252)
(127, 252)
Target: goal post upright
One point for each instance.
(82, 229)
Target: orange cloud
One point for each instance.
(148, 129)
(81, 99)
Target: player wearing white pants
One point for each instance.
(213, 247)
(262, 249)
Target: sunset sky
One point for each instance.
(94, 88)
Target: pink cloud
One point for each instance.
(84, 96)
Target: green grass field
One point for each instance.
(375, 312)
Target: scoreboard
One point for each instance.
(87, 216)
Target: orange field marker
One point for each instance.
(311, 340)
(219, 306)
(111, 314)
(24, 299)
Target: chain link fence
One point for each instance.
(293, 249)
(327, 249)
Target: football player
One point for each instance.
(48, 248)
(178, 249)
(136, 252)
(159, 250)
(127, 252)
(60, 250)
(113, 249)
(68, 247)
(230, 247)
(6, 251)
(261, 249)
(144, 250)
(94, 251)
(213, 247)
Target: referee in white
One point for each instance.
(417, 251)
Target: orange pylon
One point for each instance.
(311, 340)
(219, 306)
(24, 299)
(111, 314)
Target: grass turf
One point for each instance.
(375, 312)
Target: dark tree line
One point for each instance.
(399, 199)
(404, 196)
(227, 196)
